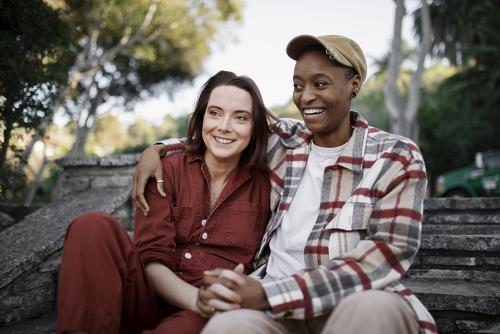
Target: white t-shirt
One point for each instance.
(288, 242)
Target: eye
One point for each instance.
(297, 87)
(320, 84)
(242, 118)
(213, 113)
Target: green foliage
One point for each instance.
(44, 191)
(462, 28)
(461, 117)
(168, 50)
(288, 110)
(12, 184)
(370, 102)
(34, 47)
(142, 134)
(109, 136)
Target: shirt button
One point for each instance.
(188, 255)
(204, 235)
(203, 222)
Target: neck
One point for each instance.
(219, 170)
(333, 139)
(337, 137)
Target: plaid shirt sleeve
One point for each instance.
(174, 145)
(287, 132)
(393, 228)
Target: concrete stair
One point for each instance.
(456, 273)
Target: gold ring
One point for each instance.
(159, 181)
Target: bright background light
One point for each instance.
(258, 49)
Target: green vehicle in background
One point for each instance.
(476, 180)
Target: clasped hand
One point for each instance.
(226, 289)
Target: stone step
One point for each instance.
(454, 217)
(30, 251)
(462, 204)
(470, 242)
(453, 211)
(448, 274)
(455, 295)
(440, 298)
(461, 229)
(463, 260)
(42, 325)
(485, 324)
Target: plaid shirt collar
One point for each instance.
(351, 156)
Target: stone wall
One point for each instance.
(30, 249)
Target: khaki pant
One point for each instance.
(373, 311)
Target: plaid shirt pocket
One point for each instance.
(347, 228)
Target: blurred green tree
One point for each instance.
(109, 136)
(140, 133)
(130, 49)
(462, 117)
(288, 110)
(34, 44)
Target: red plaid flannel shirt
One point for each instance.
(369, 223)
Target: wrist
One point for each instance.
(159, 148)
(194, 303)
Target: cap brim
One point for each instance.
(297, 44)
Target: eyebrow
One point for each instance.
(243, 112)
(240, 111)
(315, 76)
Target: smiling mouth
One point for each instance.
(313, 112)
(222, 140)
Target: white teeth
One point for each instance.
(223, 140)
(313, 111)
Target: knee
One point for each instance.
(91, 225)
(220, 323)
(368, 301)
(236, 321)
(376, 312)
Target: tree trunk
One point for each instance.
(404, 116)
(6, 139)
(37, 180)
(40, 133)
(393, 99)
(82, 132)
(78, 148)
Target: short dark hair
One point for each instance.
(254, 154)
(349, 72)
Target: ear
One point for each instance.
(356, 85)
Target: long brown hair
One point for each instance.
(254, 154)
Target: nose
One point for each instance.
(225, 124)
(308, 95)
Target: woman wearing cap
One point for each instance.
(213, 215)
(348, 202)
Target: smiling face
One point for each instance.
(323, 94)
(227, 124)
